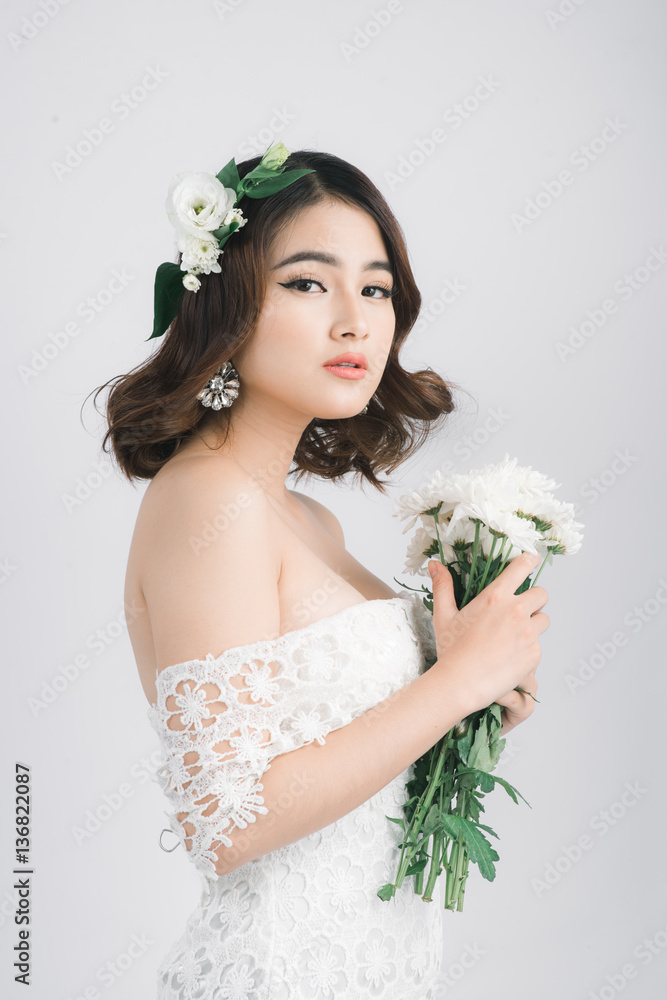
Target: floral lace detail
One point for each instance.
(303, 922)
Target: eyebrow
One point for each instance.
(327, 258)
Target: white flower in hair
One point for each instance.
(199, 256)
(197, 203)
(192, 282)
(234, 215)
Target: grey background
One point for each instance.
(329, 76)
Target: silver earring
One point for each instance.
(365, 409)
(222, 389)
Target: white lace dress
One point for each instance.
(303, 922)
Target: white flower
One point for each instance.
(234, 215)
(418, 545)
(192, 282)
(197, 203)
(507, 498)
(199, 256)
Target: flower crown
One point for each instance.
(201, 209)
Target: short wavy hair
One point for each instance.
(152, 410)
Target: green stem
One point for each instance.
(472, 568)
(419, 879)
(457, 870)
(437, 535)
(436, 867)
(503, 562)
(423, 806)
(544, 561)
(488, 563)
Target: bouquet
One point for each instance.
(474, 523)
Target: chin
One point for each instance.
(339, 414)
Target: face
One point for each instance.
(334, 300)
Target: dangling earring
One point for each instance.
(222, 389)
(365, 409)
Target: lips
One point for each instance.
(358, 360)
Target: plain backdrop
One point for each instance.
(522, 147)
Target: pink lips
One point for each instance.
(346, 372)
(335, 366)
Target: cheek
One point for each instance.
(276, 351)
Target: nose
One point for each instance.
(349, 315)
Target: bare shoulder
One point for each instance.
(327, 518)
(207, 559)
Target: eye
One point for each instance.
(386, 292)
(302, 280)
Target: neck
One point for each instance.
(261, 440)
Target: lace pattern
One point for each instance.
(303, 921)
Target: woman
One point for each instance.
(287, 683)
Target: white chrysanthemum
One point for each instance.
(197, 203)
(199, 256)
(418, 546)
(192, 282)
(410, 505)
(564, 529)
(508, 498)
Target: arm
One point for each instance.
(219, 717)
(311, 787)
(244, 780)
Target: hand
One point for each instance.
(518, 706)
(492, 644)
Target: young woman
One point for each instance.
(286, 682)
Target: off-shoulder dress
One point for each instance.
(303, 922)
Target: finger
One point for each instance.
(527, 689)
(444, 602)
(540, 620)
(516, 571)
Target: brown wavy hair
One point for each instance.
(153, 409)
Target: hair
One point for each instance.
(152, 410)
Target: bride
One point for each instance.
(285, 681)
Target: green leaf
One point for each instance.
(229, 177)
(474, 808)
(480, 753)
(386, 892)
(431, 822)
(495, 712)
(416, 867)
(479, 849)
(399, 821)
(264, 186)
(511, 790)
(463, 744)
(451, 824)
(224, 232)
(485, 781)
(496, 748)
(488, 830)
(169, 292)
(466, 779)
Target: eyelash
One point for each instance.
(388, 292)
